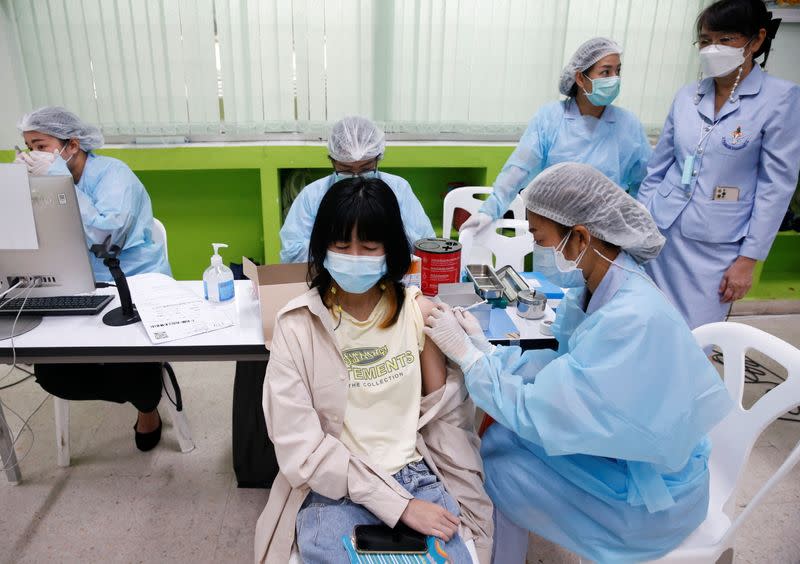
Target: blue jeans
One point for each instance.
(322, 522)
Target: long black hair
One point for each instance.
(369, 206)
(741, 16)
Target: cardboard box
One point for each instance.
(276, 285)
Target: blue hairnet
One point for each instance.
(355, 139)
(575, 193)
(63, 124)
(584, 57)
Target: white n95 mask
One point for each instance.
(720, 60)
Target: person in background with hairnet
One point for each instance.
(585, 128)
(113, 203)
(355, 146)
(601, 445)
(112, 200)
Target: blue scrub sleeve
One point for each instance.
(415, 220)
(633, 386)
(109, 214)
(662, 158)
(521, 167)
(637, 168)
(778, 170)
(296, 231)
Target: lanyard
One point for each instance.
(688, 163)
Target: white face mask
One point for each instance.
(720, 60)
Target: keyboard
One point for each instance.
(56, 305)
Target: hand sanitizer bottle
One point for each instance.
(218, 278)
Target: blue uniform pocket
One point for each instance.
(716, 222)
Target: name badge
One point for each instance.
(688, 168)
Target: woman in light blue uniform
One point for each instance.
(726, 166)
(584, 128)
(355, 146)
(600, 446)
(113, 203)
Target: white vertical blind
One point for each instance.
(244, 68)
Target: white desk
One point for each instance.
(82, 338)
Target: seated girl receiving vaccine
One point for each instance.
(370, 425)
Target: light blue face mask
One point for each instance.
(604, 90)
(552, 263)
(355, 273)
(337, 176)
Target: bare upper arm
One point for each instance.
(434, 372)
(426, 305)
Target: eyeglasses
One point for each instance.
(726, 40)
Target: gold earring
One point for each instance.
(382, 286)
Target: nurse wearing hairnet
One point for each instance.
(355, 146)
(601, 446)
(584, 128)
(113, 202)
(726, 165)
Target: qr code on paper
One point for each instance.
(160, 335)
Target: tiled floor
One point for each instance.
(115, 504)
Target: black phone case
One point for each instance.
(382, 539)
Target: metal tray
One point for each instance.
(487, 284)
(512, 282)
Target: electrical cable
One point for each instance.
(20, 381)
(14, 327)
(5, 406)
(11, 288)
(25, 424)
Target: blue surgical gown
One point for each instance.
(114, 202)
(615, 144)
(601, 446)
(296, 230)
(751, 145)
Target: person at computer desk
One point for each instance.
(113, 203)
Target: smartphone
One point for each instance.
(381, 539)
(726, 194)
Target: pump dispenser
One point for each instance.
(218, 278)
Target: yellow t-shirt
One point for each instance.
(385, 386)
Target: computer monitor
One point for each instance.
(62, 259)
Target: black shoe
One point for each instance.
(148, 441)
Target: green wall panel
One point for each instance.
(231, 194)
(203, 207)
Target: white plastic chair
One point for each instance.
(464, 198)
(179, 421)
(159, 234)
(495, 249)
(733, 439)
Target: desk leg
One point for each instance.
(254, 459)
(8, 457)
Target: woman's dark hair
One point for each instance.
(741, 16)
(369, 206)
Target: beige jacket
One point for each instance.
(305, 395)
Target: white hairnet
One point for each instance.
(355, 139)
(575, 193)
(584, 57)
(60, 122)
